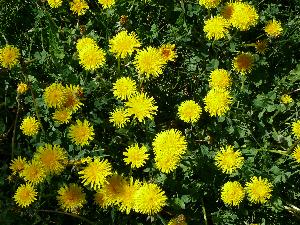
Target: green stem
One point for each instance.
(292, 147)
(15, 127)
(162, 220)
(204, 212)
(68, 214)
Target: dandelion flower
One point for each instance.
(296, 154)
(55, 3)
(227, 11)
(243, 63)
(179, 220)
(232, 193)
(71, 197)
(296, 128)
(62, 116)
(217, 102)
(273, 28)
(141, 106)
(124, 44)
(216, 28)
(53, 157)
(261, 46)
(25, 195)
(209, 3)
(54, 95)
(229, 160)
(259, 190)
(244, 16)
(17, 165)
(112, 190)
(91, 57)
(30, 126)
(33, 172)
(22, 88)
(149, 62)
(127, 195)
(286, 99)
(119, 117)
(189, 111)
(99, 200)
(167, 52)
(85, 42)
(95, 173)
(220, 78)
(71, 98)
(168, 147)
(149, 199)
(9, 56)
(81, 133)
(79, 7)
(136, 156)
(124, 88)
(107, 3)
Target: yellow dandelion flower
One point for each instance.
(71, 98)
(220, 78)
(141, 106)
(17, 165)
(99, 200)
(54, 3)
(85, 42)
(81, 133)
(119, 117)
(229, 160)
(179, 220)
(136, 156)
(286, 99)
(112, 190)
(71, 197)
(296, 128)
(62, 116)
(33, 172)
(259, 190)
(30, 126)
(296, 154)
(168, 147)
(261, 46)
(149, 199)
(53, 157)
(22, 88)
(107, 3)
(243, 63)
(124, 88)
(167, 52)
(127, 195)
(25, 195)
(91, 57)
(232, 193)
(217, 102)
(149, 62)
(273, 28)
(216, 28)
(227, 11)
(243, 16)
(9, 56)
(209, 3)
(54, 95)
(189, 111)
(124, 44)
(79, 7)
(95, 173)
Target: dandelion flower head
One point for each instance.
(136, 156)
(296, 154)
(25, 195)
(124, 88)
(209, 3)
(243, 63)
(85, 42)
(33, 172)
(119, 117)
(227, 11)
(107, 3)
(54, 95)
(124, 44)
(232, 193)
(81, 133)
(22, 88)
(286, 99)
(273, 28)
(167, 52)
(62, 116)
(217, 102)
(71, 98)
(95, 174)
(9, 56)
(91, 57)
(216, 28)
(149, 199)
(17, 165)
(189, 111)
(229, 160)
(30, 126)
(259, 189)
(179, 220)
(261, 46)
(55, 3)
(296, 128)
(220, 78)
(127, 196)
(79, 7)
